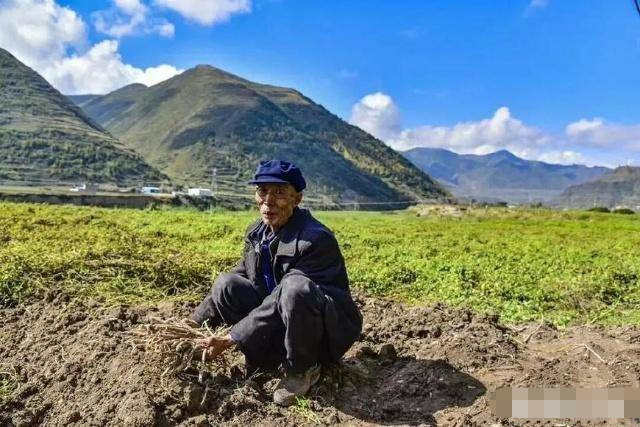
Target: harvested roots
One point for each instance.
(175, 341)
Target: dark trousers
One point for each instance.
(285, 327)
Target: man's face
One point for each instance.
(276, 203)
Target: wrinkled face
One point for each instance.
(276, 203)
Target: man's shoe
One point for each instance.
(292, 386)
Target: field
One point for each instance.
(455, 304)
(570, 267)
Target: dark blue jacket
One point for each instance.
(306, 247)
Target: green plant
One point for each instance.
(8, 382)
(623, 211)
(601, 209)
(302, 408)
(521, 263)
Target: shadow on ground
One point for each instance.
(396, 390)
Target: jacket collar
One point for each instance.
(288, 236)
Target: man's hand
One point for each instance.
(212, 347)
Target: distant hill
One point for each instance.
(206, 118)
(500, 175)
(620, 187)
(81, 99)
(44, 136)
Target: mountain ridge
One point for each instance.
(500, 175)
(207, 117)
(620, 186)
(45, 137)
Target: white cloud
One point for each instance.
(600, 133)
(129, 17)
(583, 126)
(166, 29)
(378, 115)
(131, 7)
(39, 31)
(102, 70)
(113, 24)
(501, 131)
(566, 157)
(207, 12)
(41, 34)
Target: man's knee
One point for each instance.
(209, 308)
(225, 285)
(298, 290)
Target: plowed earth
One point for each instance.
(72, 362)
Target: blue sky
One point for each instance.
(555, 80)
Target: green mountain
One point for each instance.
(81, 99)
(620, 187)
(207, 118)
(500, 175)
(44, 137)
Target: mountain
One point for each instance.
(500, 175)
(620, 187)
(81, 99)
(207, 118)
(45, 137)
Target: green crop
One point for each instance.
(523, 264)
(8, 382)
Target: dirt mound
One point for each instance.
(467, 341)
(73, 363)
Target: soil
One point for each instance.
(74, 364)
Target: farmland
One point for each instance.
(565, 267)
(77, 282)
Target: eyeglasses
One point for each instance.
(279, 193)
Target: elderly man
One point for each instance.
(288, 298)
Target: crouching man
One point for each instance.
(288, 298)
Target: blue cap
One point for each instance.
(279, 172)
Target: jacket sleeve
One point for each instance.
(320, 260)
